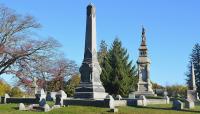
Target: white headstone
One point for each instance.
(41, 94)
(118, 97)
(142, 101)
(111, 101)
(165, 93)
(22, 106)
(189, 104)
(167, 99)
(60, 96)
(53, 95)
(5, 97)
(46, 108)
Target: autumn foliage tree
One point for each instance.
(4, 88)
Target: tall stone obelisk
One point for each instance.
(143, 62)
(193, 80)
(192, 94)
(90, 85)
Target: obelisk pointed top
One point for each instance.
(90, 5)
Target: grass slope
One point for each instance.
(151, 109)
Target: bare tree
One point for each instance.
(17, 47)
(25, 57)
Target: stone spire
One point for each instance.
(193, 83)
(143, 47)
(90, 69)
(143, 62)
(90, 36)
(90, 85)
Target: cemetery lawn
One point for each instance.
(151, 109)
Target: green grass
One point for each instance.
(151, 109)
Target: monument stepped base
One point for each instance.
(145, 93)
(90, 90)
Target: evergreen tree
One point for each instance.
(195, 58)
(104, 63)
(118, 74)
(102, 51)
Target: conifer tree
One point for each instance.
(195, 58)
(118, 74)
(104, 63)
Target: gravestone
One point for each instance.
(109, 101)
(46, 108)
(60, 96)
(34, 87)
(5, 97)
(177, 105)
(142, 101)
(30, 107)
(90, 86)
(189, 104)
(167, 99)
(165, 93)
(118, 97)
(53, 95)
(40, 95)
(49, 98)
(42, 102)
(22, 106)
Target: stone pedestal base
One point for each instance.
(192, 95)
(90, 91)
(145, 93)
(144, 88)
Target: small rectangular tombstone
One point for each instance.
(189, 104)
(177, 105)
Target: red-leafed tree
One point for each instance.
(23, 55)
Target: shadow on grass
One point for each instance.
(183, 110)
(15, 108)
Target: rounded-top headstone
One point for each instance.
(165, 93)
(7, 96)
(118, 97)
(46, 108)
(22, 106)
(142, 97)
(62, 94)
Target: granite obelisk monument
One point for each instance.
(192, 94)
(90, 85)
(143, 62)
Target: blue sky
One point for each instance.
(172, 26)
